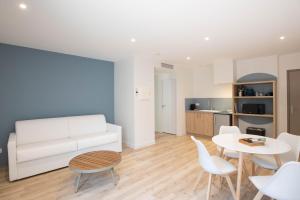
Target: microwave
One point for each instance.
(248, 108)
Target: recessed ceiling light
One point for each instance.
(206, 38)
(188, 58)
(133, 40)
(282, 37)
(22, 6)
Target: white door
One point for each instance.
(168, 106)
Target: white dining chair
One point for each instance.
(283, 185)
(269, 162)
(229, 154)
(229, 130)
(214, 165)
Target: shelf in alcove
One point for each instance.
(254, 115)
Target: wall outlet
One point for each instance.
(0, 150)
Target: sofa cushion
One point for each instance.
(39, 130)
(81, 125)
(38, 150)
(95, 139)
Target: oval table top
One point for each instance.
(95, 161)
(231, 142)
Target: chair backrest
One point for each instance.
(294, 142)
(203, 156)
(284, 184)
(229, 129)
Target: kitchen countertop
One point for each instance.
(212, 111)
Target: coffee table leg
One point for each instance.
(113, 176)
(77, 182)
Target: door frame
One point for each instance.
(288, 96)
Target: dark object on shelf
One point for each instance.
(256, 131)
(249, 92)
(269, 94)
(193, 106)
(254, 108)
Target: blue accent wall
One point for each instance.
(42, 84)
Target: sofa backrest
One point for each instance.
(81, 125)
(39, 130)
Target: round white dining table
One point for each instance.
(231, 141)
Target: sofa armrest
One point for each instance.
(116, 129)
(12, 156)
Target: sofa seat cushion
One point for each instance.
(95, 139)
(27, 152)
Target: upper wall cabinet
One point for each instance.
(223, 71)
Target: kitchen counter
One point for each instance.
(212, 111)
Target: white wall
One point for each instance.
(144, 109)
(184, 89)
(223, 71)
(204, 86)
(266, 64)
(136, 116)
(124, 98)
(286, 62)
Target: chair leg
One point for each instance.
(245, 169)
(209, 186)
(253, 168)
(230, 186)
(258, 196)
(257, 170)
(197, 181)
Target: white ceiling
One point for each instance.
(174, 29)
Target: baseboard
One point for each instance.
(139, 146)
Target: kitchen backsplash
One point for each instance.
(222, 104)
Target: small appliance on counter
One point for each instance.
(193, 106)
(254, 108)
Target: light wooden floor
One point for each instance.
(166, 170)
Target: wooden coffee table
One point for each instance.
(93, 162)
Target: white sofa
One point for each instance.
(41, 145)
